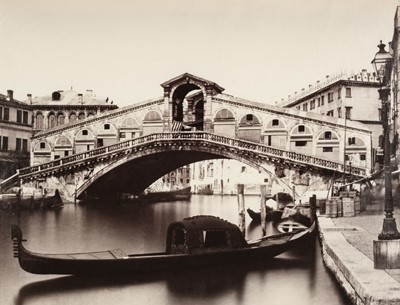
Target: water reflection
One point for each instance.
(297, 277)
(190, 284)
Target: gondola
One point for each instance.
(198, 241)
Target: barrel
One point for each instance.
(357, 205)
(331, 208)
(348, 207)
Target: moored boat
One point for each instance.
(163, 196)
(198, 241)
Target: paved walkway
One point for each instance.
(348, 241)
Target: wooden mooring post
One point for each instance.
(313, 208)
(242, 219)
(263, 208)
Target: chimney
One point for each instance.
(10, 95)
(327, 76)
(80, 98)
(29, 98)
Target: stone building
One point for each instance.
(64, 107)
(15, 134)
(352, 97)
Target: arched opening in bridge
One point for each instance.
(188, 107)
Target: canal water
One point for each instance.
(293, 278)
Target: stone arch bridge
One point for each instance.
(126, 149)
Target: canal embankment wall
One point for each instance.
(353, 270)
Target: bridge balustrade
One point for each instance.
(201, 136)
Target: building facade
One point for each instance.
(64, 107)
(15, 134)
(352, 97)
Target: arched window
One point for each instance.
(39, 121)
(52, 120)
(72, 117)
(152, 116)
(224, 115)
(90, 115)
(60, 119)
(81, 116)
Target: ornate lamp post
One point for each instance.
(382, 65)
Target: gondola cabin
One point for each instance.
(202, 234)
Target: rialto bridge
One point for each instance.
(127, 149)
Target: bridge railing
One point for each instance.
(196, 136)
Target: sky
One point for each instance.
(260, 50)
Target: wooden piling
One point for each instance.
(263, 208)
(294, 194)
(313, 208)
(240, 197)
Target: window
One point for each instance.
(106, 126)
(380, 114)
(300, 143)
(5, 143)
(352, 141)
(339, 93)
(322, 100)
(329, 113)
(84, 132)
(305, 107)
(66, 153)
(328, 135)
(60, 119)
(363, 157)
(327, 149)
(19, 116)
(6, 114)
(122, 135)
(275, 122)
(348, 113)
(81, 116)
(1, 113)
(42, 145)
(298, 107)
(249, 117)
(319, 101)
(312, 104)
(330, 97)
(24, 145)
(301, 128)
(18, 144)
(72, 117)
(25, 117)
(348, 92)
(39, 121)
(52, 120)
(339, 112)
(214, 239)
(56, 96)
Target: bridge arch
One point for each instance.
(249, 127)
(129, 128)
(328, 145)
(356, 151)
(225, 122)
(301, 139)
(152, 122)
(42, 152)
(106, 134)
(84, 140)
(63, 147)
(140, 170)
(275, 133)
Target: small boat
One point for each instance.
(296, 213)
(271, 215)
(199, 241)
(35, 200)
(163, 196)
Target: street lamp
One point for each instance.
(382, 63)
